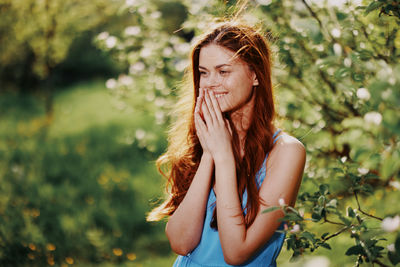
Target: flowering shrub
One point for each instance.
(337, 86)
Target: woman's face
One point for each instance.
(227, 76)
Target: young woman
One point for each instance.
(227, 161)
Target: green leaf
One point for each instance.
(371, 176)
(316, 217)
(367, 188)
(345, 220)
(393, 257)
(340, 170)
(350, 212)
(354, 250)
(270, 209)
(365, 54)
(324, 189)
(332, 203)
(308, 236)
(397, 244)
(373, 6)
(341, 73)
(325, 245)
(341, 15)
(321, 200)
(324, 235)
(293, 209)
(291, 217)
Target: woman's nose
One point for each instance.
(211, 81)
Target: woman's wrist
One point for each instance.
(223, 157)
(207, 156)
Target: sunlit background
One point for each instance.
(86, 90)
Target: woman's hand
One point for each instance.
(212, 128)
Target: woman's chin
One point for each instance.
(223, 105)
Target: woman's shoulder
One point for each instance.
(287, 146)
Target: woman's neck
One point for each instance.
(241, 120)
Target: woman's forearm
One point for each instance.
(185, 226)
(231, 224)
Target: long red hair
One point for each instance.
(180, 162)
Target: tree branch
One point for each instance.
(363, 212)
(335, 234)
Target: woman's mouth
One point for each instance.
(218, 95)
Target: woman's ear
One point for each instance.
(255, 80)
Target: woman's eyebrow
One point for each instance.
(222, 65)
(217, 67)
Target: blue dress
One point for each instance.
(208, 252)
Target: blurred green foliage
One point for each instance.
(76, 178)
(80, 195)
(37, 35)
(337, 75)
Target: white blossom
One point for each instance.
(182, 48)
(137, 67)
(181, 65)
(373, 117)
(140, 134)
(103, 35)
(363, 93)
(142, 9)
(132, 30)
(130, 2)
(282, 202)
(336, 32)
(347, 62)
(337, 49)
(386, 94)
(318, 261)
(159, 116)
(150, 96)
(296, 124)
(362, 171)
(167, 51)
(395, 184)
(111, 41)
(296, 229)
(125, 80)
(391, 247)
(332, 203)
(301, 212)
(264, 2)
(390, 224)
(155, 15)
(111, 83)
(159, 101)
(145, 52)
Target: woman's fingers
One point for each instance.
(199, 101)
(210, 106)
(206, 111)
(201, 127)
(217, 109)
(228, 125)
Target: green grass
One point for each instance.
(89, 105)
(89, 167)
(96, 138)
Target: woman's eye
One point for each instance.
(202, 73)
(223, 72)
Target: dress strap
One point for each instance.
(276, 132)
(275, 137)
